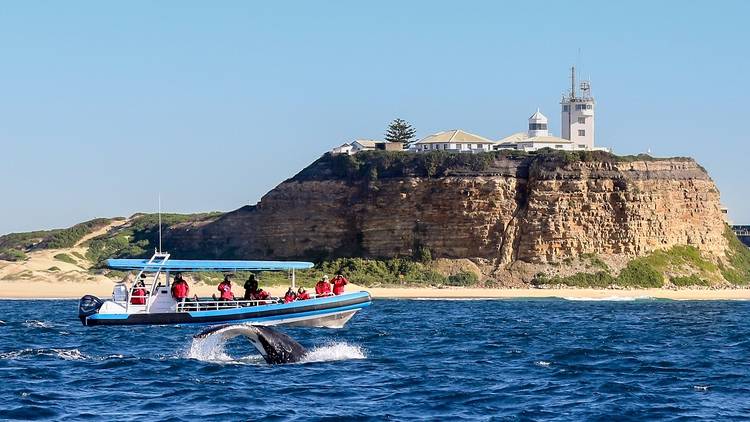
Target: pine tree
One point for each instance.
(400, 131)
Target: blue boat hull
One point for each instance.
(290, 313)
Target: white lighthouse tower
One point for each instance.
(578, 113)
(538, 125)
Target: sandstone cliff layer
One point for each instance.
(499, 208)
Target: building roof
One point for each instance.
(546, 140)
(456, 136)
(516, 137)
(538, 117)
(368, 143)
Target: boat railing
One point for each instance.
(215, 305)
(192, 305)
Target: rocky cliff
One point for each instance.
(497, 208)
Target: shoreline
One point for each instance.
(24, 290)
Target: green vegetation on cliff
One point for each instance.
(738, 271)
(138, 238)
(374, 165)
(364, 272)
(647, 271)
(13, 255)
(51, 239)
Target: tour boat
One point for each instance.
(160, 308)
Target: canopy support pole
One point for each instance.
(293, 280)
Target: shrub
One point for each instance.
(595, 261)
(639, 273)
(65, 258)
(691, 280)
(12, 255)
(423, 254)
(600, 279)
(53, 269)
(464, 278)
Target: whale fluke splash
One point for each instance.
(275, 347)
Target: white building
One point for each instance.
(577, 126)
(363, 145)
(537, 137)
(343, 149)
(577, 117)
(367, 145)
(455, 140)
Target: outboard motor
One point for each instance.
(88, 305)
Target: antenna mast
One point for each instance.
(572, 82)
(159, 223)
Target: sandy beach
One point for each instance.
(103, 288)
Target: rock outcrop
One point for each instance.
(498, 208)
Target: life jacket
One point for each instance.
(138, 300)
(303, 296)
(322, 288)
(180, 289)
(226, 291)
(289, 297)
(338, 285)
(261, 294)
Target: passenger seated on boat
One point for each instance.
(251, 285)
(225, 287)
(180, 288)
(252, 291)
(302, 294)
(139, 294)
(338, 284)
(323, 288)
(290, 296)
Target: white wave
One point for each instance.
(334, 351)
(609, 298)
(209, 349)
(65, 354)
(701, 387)
(542, 363)
(32, 323)
(456, 299)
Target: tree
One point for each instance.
(400, 131)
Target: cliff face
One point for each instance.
(503, 209)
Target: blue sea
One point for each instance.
(397, 360)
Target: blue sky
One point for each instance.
(104, 105)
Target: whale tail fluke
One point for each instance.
(275, 346)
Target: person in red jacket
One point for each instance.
(323, 288)
(290, 296)
(302, 294)
(225, 287)
(139, 294)
(338, 284)
(180, 288)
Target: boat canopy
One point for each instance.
(185, 265)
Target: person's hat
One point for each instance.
(325, 277)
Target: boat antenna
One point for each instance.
(160, 223)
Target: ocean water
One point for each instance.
(397, 360)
